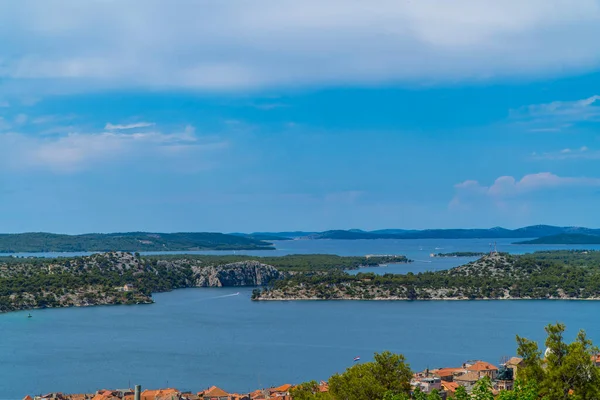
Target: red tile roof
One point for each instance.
(450, 386)
(215, 392)
(482, 366)
(447, 371)
(282, 388)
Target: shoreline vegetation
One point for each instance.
(126, 278)
(551, 275)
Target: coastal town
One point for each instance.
(445, 381)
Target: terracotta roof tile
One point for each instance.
(448, 371)
(482, 366)
(470, 376)
(216, 392)
(450, 386)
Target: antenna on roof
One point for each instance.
(504, 360)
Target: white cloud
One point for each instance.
(582, 153)
(79, 151)
(237, 44)
(112, 127)
(507, 187)
(558, 115)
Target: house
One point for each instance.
(161, 394)
(482, 368)
(467, 380)
(448, 374)
(258, 395)
(214, 393)
(323, 386)
(281, 393)
(449, 387)
(430, 383)
(514, 363)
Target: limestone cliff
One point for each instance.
(245, 273)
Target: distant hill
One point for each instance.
(497, 232)
(261, 236)
(129, 241)
(565, 238)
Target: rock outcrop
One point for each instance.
(246, 273)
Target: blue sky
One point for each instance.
(206, 116)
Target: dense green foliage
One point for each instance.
(388, 374)
(563, 274)
(132, 241)
(565, 238)
(40, 283)
(563, 369)
(567, 372)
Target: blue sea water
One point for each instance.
(194, 338)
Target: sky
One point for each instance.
(271, 115)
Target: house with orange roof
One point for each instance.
(448, 374)
(281, 392)
(449, 387)
(482, 368)
(258, 395)
(323, 386)
(214, 393)
(28, 397)
(161, 394)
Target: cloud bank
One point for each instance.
(238, 45)
(75, 152)
(507, 188)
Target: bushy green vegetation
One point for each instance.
(42, 282)
(39, 283)
(131, 241)
(564, 274)
(567, 372)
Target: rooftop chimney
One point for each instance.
(138, 390)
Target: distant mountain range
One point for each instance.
(187, 241)
(534, 231)
(565, 238)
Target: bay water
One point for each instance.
(195, 338)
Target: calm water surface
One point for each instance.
(418, 250)
(195, 338)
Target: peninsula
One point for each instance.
(542, 275)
